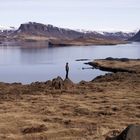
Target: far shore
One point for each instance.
(45, 42)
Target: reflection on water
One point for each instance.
(18, 64)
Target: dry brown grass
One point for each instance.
(133, 65)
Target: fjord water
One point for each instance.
(30, 64)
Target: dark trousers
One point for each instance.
(67, 73)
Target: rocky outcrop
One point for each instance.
(132, 132)
(68, 84)
(34, 28)
(59, 83)
(136, 37)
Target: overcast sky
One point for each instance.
(76, 14)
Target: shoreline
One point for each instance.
(101, 64)
(116, 65)
(59, 42)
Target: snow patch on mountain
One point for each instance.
(4, 28)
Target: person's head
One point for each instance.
(67, 63)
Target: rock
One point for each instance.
(82, 59)
(132, 132)
(57, 83)
(118, 59)
(34, 129)
(82, 82)
(68, 83)
(48, 83)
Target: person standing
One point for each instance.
(67, 70)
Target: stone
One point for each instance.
(57, 83)
(132, 132)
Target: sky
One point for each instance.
(99, 15)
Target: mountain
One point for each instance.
(38, 29)
(118, 35)
(112, 35)
(6, 31)
(49, 31)
(136, 37)
(51, 35)
(4, 28)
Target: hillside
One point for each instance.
(136, 37)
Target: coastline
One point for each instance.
(116, 65)
(45, 42)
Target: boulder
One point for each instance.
(57, 83)
(68, 84)
(132, 132)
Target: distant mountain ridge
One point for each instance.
(4, 28)
(34, 28)
(34, 32)
(136, 37)
(52, 31)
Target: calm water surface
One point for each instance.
(26, 65)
